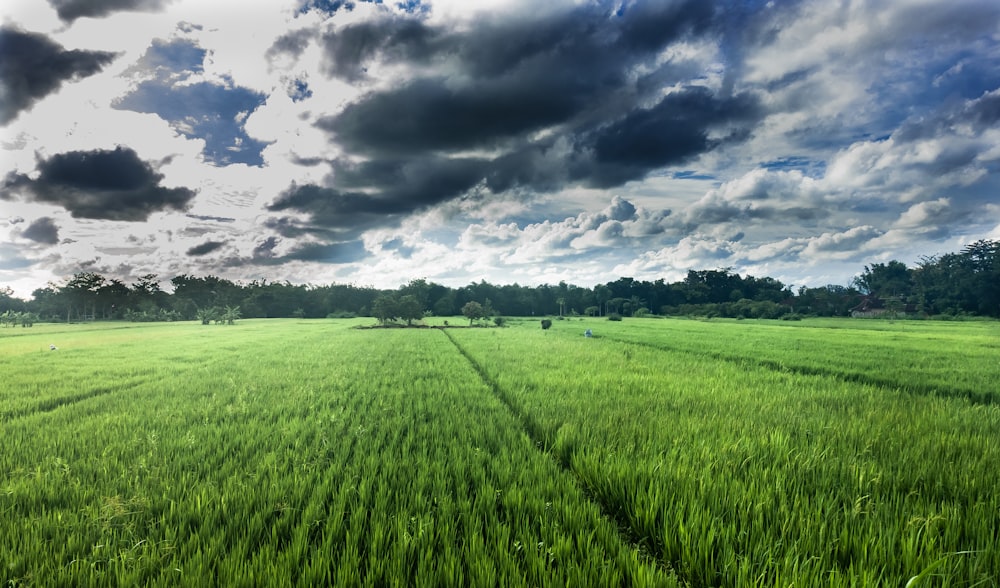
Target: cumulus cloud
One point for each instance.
(205, 248)
(621, 224)
(843, 244)
(102, 184)
(42, 230)
(33, 66)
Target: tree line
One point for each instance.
(962, 283)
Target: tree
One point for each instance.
(488, 309)
(83, 289)
(192, 293)
(885, 280)
(602, 294)
(385, 308)
(635, 303)
(472, 311)
(445, 305)
(114, 296)
(8, 302)
(419, 289)
(409, 309)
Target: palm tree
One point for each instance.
(231, 314)
(562, 304)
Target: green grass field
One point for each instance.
(657, 453)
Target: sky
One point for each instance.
(372, 143)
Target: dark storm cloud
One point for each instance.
(671, 132)
(515, 76)
(569, 96)
(403, 186)
(414, 182)
(341, 252)
(70, 10)
(429, 115)
(217, 219)
(32, 66)
(332, 211)
(334, 253)
(205, 248)
(348, 49)
(102, 184)
(43, 230)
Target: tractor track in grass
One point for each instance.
(543, 441)
(52, 404)
(972, 396)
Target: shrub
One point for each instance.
(342, 314)
(614, 316)
(546, 323)
(499, 321)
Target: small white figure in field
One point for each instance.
(52, 347)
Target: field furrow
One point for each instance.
(924, 357)
(538, 438)
(870, 376)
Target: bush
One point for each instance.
(546, 323)
(499, 321)
(152, 316)
(614, 316)
(343, 314)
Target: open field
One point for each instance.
(658, 453)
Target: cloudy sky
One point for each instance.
(528, 141)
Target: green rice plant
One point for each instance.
(737, 474)
(283, 453)
(949, 359)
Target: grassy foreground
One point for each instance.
(658, 453)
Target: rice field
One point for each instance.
(657, 453)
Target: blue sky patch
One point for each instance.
(212, 112)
